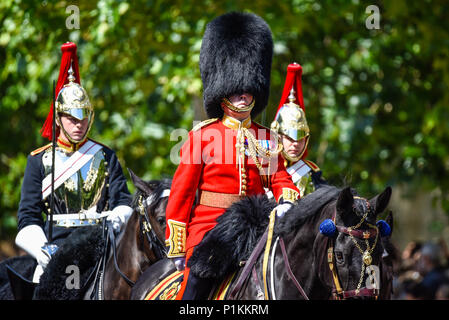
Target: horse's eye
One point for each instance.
(161, 221)
(339, 255)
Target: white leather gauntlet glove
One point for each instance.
(281, 209)
(31, 239)
(119, 215)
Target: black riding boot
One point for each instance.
(197, 288)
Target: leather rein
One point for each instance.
(250, 264)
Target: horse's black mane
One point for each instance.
(305, 208)
(232, 239)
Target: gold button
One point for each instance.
(243, 187)
(244, 181)
(243, 193)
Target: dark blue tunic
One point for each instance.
(32, 209)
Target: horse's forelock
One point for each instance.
(360, 207)
(157, 187)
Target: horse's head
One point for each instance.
(149, 202)
(141, 243)
(355, 248)
(155, 195)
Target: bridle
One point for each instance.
(353, 232)
(146, 229)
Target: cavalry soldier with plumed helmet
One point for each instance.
(88, 180)
(228, 156)
(291, 124)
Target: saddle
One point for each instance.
(169, 286)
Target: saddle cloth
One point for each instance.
(168, 288)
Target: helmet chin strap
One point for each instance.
(228, 104)
(72, 141)
(295, 159)
(289, 157)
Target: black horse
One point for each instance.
(328, 246)
(108, 267)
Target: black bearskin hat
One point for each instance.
(235, 58)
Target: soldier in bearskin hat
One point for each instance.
(88, 180)
(228, 156)
(291, 123)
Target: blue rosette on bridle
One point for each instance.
(384, 228)
(327, 228)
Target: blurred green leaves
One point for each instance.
(376, 100)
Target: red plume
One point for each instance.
(69, 57)
(293, 79)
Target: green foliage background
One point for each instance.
(376, 100)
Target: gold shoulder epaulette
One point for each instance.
(312, 165)
(39, 150)
(204, 123)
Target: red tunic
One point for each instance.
(209, 163)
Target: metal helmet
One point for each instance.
(70, 97)
(73, 101)
(290, 119)
(291, 122)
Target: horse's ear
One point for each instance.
(345, 201)
(380, 202)
(389, 219)
(139, 183)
